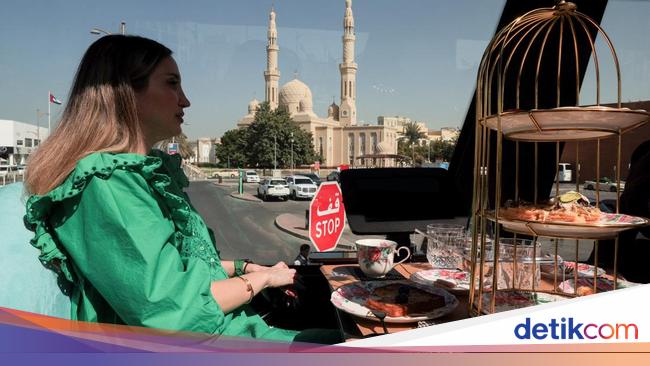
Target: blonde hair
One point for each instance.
(101, 113)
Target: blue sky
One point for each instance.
(416, 58)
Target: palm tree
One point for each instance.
(412, 135)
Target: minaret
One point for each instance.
(348, 107)
(272, 74)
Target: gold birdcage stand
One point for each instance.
(523, 45)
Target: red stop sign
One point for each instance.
(326, 217)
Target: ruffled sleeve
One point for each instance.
(116, 222)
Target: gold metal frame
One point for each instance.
(501, 54)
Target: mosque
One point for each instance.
(337, 137)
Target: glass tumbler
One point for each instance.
(445, 245)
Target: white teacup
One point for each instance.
(376, 256)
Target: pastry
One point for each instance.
(585, 290)
(398, 300)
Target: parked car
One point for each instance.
(333, 176)
(250, 176)
(565, 172)
(301, 187)
(273, 187)
(605, 184)
(314, 177)
(225, 174)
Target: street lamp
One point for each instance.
(275, 155)
(291, 152)
(98, 31)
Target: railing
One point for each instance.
(193, 172)
(12, 177)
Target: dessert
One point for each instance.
(398, 300)
(570, 207)
(584, 291)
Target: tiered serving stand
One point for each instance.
(539, 36)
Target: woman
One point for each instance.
(115, 222)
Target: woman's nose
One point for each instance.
(184, 102)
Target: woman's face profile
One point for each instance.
(160, 105)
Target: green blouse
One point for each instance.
(131, 249)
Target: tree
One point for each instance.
(443, 149)
(184, 149)
(267, 141)
(434, 150)
(411, 136)
(231, 151)
(412, 133)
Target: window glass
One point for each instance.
(626, 24)
(414, 58)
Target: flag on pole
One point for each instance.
(54, 100)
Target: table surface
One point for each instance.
(354, 327)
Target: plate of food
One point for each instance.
(567, 269)
(566, 123)
(584, 269)
(454, 280)
(569, 215)
(586, 285)
(511, 300)
(402, 301)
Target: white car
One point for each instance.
(225, 174)
(273, 187)
(250, 176)
(301, 187)
(604, 184)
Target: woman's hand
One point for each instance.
(233, 292)
(252, 267)
(280, 265)
(279, 276)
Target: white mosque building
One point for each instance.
(337, 137)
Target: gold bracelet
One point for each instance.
(249, 288)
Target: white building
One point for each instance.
(337, 138)
(396, 122)
(446, 134)
(18, 140)
(204, 150)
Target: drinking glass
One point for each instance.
(445, 245)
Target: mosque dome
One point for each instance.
(305, 105)
(384, 148)
(253, 105)
(333, 111)
(293, 92)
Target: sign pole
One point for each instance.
(241, 182)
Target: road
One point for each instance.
(591, 195)
(246, 229)
(243, 229)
